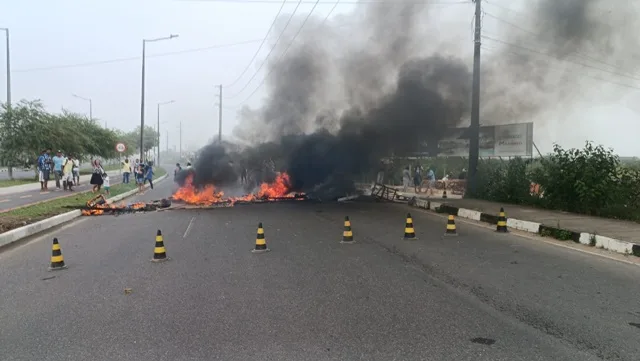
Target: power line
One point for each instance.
(121, 60)
(490, 49)
(551, 56)
(281, 55)
(594, 59)
(270, 51)
(273, 23)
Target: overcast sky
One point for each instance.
(53, 41)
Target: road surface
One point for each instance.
(9, 201)
(478, 296)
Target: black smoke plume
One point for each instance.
(398, 75)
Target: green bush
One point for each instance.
(590, 181)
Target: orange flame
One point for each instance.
(209, 195)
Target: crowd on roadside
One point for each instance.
(64, 168)
(142, 171)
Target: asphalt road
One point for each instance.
(310, 298)
(17, 173)
(14, 200)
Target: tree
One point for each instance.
(30, 129)
(150, 138)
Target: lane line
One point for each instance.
(4, 200)
(189, 227)
(27, 196)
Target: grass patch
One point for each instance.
(37, 212)
(16, 182)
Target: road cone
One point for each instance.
(451, 227)
(159, 252)
(57, 260)
(261, 243)
(502, 222)
(347, 234)
(409, 232)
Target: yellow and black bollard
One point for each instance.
(261, 242)
(409, 231)
(159, 252)
(502, 222)
(57, 260)
(347, 234)
(451, 227)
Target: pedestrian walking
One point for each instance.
(148, 174)
(96, 176)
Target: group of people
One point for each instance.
(417, 179)
(143, 172)
(65, 169)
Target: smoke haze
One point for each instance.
(339, 101)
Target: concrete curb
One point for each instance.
(17, 234)
(585, 238)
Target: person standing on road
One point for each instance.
(140, 178)
(148, 174)
(380, 177)
(176, 171)
(417, 178)
(96, 176)
(58, 161)
(44, 168)
(431, 179)
(126, 171)
(406, 179)
(67, 173)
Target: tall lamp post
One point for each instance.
(159, 104)
(90, 106)
(6, 30)
(144, 45)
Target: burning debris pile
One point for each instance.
(210, 196)
(98, 206)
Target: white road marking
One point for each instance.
(27, 196)
(189, 227)
(4, 200)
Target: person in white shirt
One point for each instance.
(106, 183)
(76, 171)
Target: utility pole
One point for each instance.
(167, 142)
(181, 140)
(6, 30)
(474, 128)
(220, 115)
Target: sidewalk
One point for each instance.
(621, 230)
(36, 185)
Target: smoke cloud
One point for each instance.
(342, 98)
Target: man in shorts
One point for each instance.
(44, 169)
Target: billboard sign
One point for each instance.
(509, 140)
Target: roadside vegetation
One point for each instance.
(29, 128)
(30, 214)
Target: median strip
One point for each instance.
(27, 221)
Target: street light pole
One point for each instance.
(181, 140)
(8, 51)
(90, 106)
(144, 45)
(159, 104)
